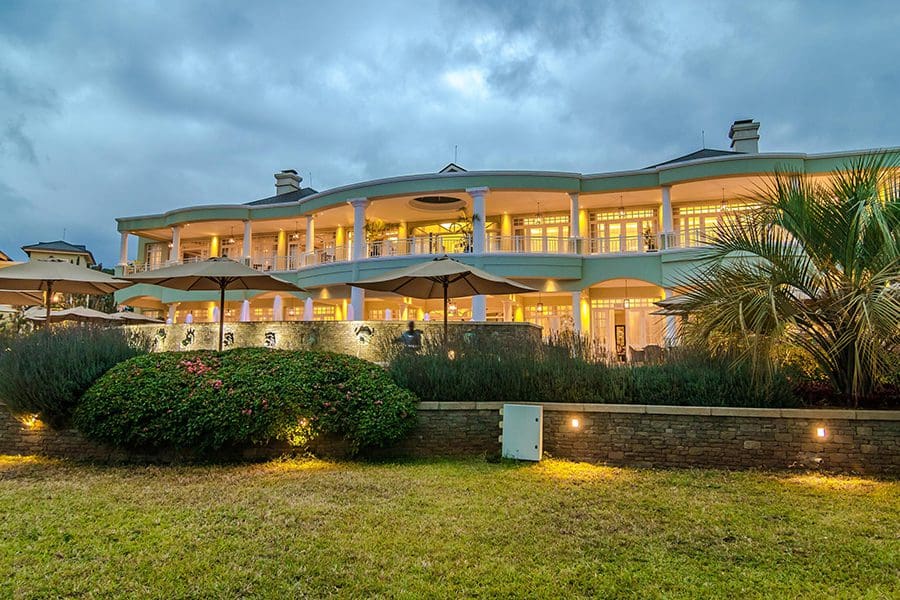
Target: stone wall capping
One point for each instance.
(727, 411)
(679, 410)
(429, 406)
(878, 415)
(457, 405)
(486, 405)
(817, 413)
(566, 406)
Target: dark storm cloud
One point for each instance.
(112, 108)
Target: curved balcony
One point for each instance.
(461, 244)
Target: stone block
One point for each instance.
(752, 445)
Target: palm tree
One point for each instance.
(815, 265)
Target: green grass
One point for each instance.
(309, 528)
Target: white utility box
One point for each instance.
(523, 431)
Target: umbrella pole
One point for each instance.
(446, 303)
(221, 313)
(47, 302)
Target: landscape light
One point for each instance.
(576, 423)
(30, 421)
(820, 432)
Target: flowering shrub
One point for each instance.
(209, 400)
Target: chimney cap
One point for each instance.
(291, 171)
(744, 134)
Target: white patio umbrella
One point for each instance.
(126, 316)
(215, 274)
(442, 278)
(55, 275)
(78, 313)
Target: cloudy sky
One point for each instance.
(132, 107)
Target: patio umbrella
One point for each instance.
(442, 278)
(15, 298)
(126, 317)
(56, 275)
(78, 313)
(672, 306)
(214, 274)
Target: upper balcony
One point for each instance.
(459, 245)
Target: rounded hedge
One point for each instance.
(205, 400)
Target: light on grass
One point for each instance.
(451, 354)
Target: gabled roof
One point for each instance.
(703, 153)
(452, 168)
(283, 198)
(59, 246)
(4, 257)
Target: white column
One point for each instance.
(357, 295)
(668, 229)
(175, 250)
(310, 234)
(248, 240)
(308, 310)
(357, 303)
(574, 223)
(171, 317)
(478, 218)
(576, 310)
(359, 227)
(479, 308)
(508, 311)
(123, 249)
(671, 324)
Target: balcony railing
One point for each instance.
(462, 244)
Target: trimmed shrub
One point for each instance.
(205, 400)
(563, 372)
(46, 372)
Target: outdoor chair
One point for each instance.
(637, 356)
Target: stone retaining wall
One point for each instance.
(364, 339)
(866, 442)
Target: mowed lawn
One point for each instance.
(310, 528)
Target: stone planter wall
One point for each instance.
(364, 339)
(866, 442)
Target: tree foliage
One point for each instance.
(816, 265)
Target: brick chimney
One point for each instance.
(287, 181)
(744, 136)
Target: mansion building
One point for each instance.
(600, 249)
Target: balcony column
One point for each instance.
(310, 234)
(248, 241)
(359, 227)
(478, 218)
(358, 295)
(175, 250)
(281, 251)
(576, 312)
(574, 223)
(479, 303)
(671, 325)
(123, 249)
(668, 230)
